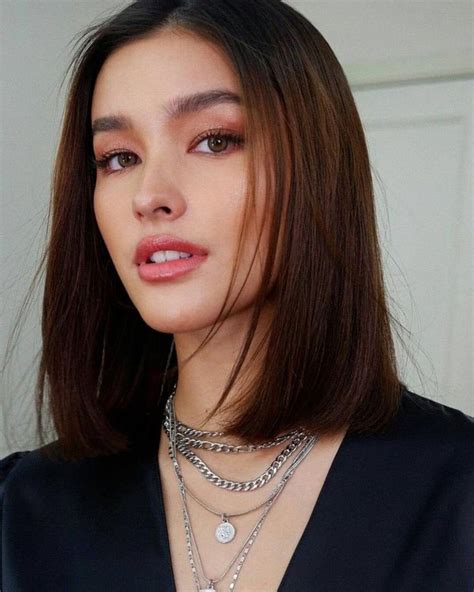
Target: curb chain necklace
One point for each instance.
(215, 479)
(244, 550)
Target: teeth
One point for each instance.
(163, 256)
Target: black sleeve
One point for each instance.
(7, 464)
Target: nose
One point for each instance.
(157, 198)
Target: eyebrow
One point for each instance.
(174, 109)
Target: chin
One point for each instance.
(176, 321)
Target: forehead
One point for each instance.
(150, 72)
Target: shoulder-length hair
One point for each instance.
(329, 358)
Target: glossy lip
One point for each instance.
(153, 272)
(164, 242)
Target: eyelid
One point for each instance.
(234, 137)
(101, 162)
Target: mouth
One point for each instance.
(165, 248)
(167, 256)
(159, 268)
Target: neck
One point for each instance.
(201, 380)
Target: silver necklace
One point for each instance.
(188, 436)
(215, 479)
(225, 531)
(184, 440)
(243, 552)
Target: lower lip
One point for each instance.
(170, 270)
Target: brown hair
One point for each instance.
(331, 363)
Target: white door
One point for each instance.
(420, 143)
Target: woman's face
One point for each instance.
(168, 178)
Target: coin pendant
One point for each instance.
(225, 532)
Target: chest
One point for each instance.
(270, 554)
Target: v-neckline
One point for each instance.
(324, 493)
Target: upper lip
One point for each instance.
(164, 242)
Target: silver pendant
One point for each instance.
(210, 589)
(225, 532)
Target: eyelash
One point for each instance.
(235, 139)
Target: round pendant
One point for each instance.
(225, 532)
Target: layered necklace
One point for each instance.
(182, 439)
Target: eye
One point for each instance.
(218, 141)
(115, 161)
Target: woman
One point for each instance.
(217, 354)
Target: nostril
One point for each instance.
(166, 209)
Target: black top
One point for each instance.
(395, 514)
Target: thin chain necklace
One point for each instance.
(187, 436)
(243, 552)
(191, 436)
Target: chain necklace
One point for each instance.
(225, 531)
(188, 441)
(215, 479)
(189, 436)
(244, 550)
(186, 436)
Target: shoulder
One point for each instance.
(418, 469)
(427, 442)
(43, 479)
(434, 465)
(32, 465)
(28, 467)
(44, 467)
(423, 418)
(74, 510)
(38, 487)
(442, 413)
(429, 438)
(7, 467)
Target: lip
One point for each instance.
(165, 242)
(170, 269)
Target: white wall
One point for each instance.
(36, 45)
(387, 49)
(392, 40)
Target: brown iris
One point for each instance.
(124, 159)
(217, 142)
